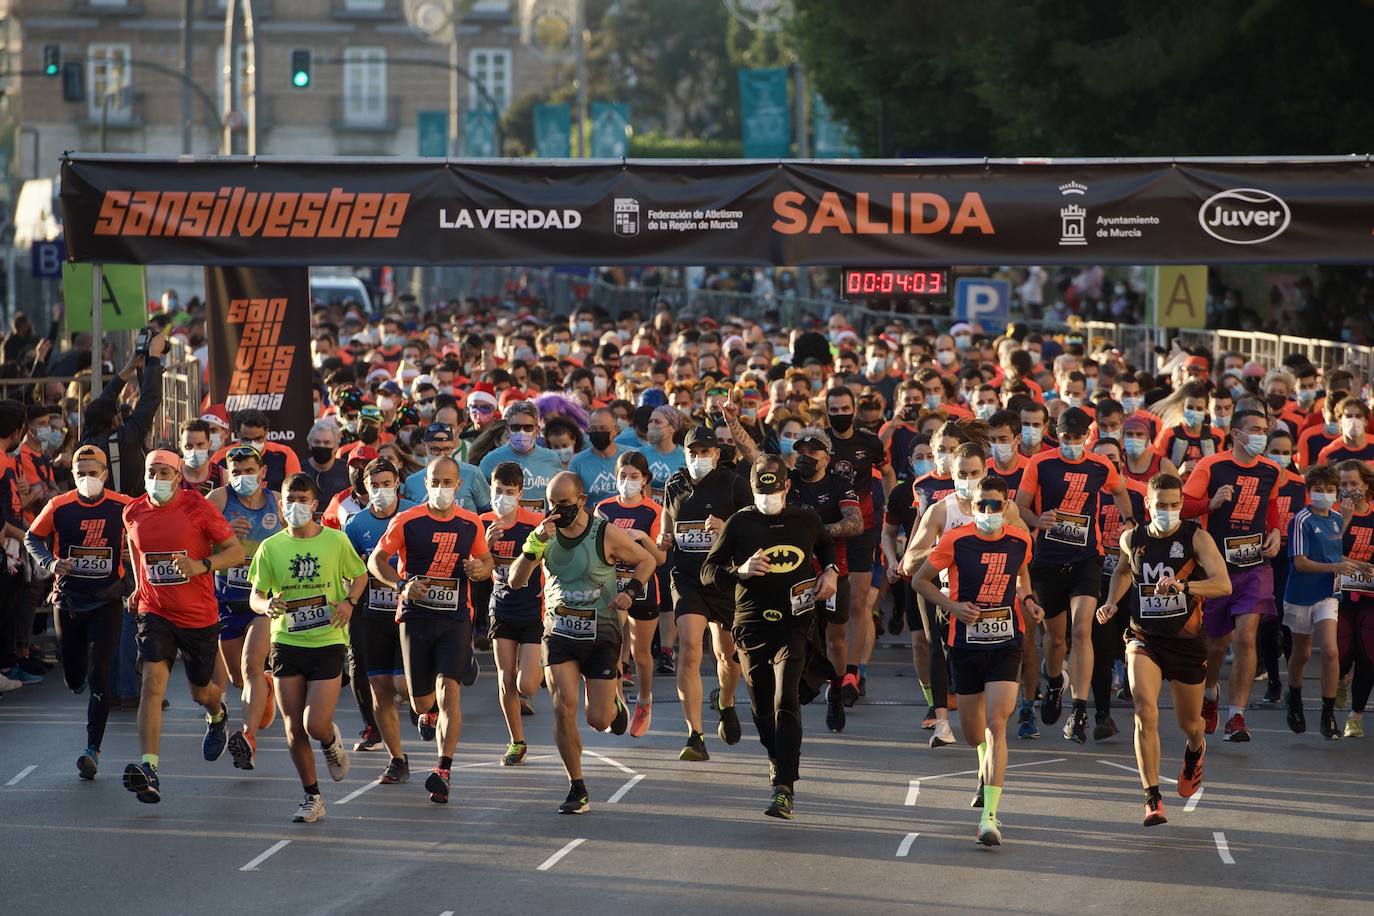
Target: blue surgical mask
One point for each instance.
(963, 341)
(297, 515)
(1322, 501)
(988, 522)
(1282, 461)
(1071, 452)
(922, 466)
(1331, 429)
(1223, 422)
(985, 411)
(787, 445)
(522, 441)
(1031, 437)
(1306, 397)
(159, 490)
(1255, 443)
(965, 489)
(1002, 452)
(1131, 405)
(1237, 392)
(1193, 417)
(1135, 446)
(933, 401)
(244, 484)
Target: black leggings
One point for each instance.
(357, 669)
(773, 658)
(1109, 647)
(1273, 637)
(1355, 639)
(934, 623)
(88, 642)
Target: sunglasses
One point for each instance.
(521, 427)
(718, 392)
(481, 408)
(989, 505)
(239, 452)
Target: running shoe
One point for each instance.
(1052, 705)
(1190, 777)
(1235, 728)
(397, 771)
(515, 754)
(664, 666)
(25, 678)
(834, 710)
(639, 723)
(427, 725)
(34, 665)
(216, 734)
(1026, 728)
(929, 721)
(627, 676)
(88, 762)
(369, 740)
(1104, 727)
(141, 779)
(269, 709)
(977, 801)
(526, 707)
(436, 784)
(576, 802)
(1154, 813)
(1296, 720)
(849, 689)
(469, 675)
(695, 749)
(1076, 728)
(622, 719)
(1210, 714)
(944, 735)
(244, 749)
(989, 830)
(310, 810)
(8, 683)
(336, 757)
(1354, 727)
(1273, 694)
(781, 805)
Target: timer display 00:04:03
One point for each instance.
(889, 283)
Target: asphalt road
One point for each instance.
(1284, 825)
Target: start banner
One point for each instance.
(260, 347)
(237, 211)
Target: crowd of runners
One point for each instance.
(589, 502)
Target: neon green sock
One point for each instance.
(930, 698)
(150, 758)
(982, 756)
(991, 796)
(220, 716)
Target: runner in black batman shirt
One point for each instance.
(781, 562)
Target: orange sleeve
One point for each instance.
(330, 519)
(42, 523)
(942, 555)
(479, 540)
(393, 539)
(1030, 480)
(293, 461)
(1113, 478)
(1196, 484)
(657, 526)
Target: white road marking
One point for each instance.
(620, 793)
(615, 763)
(271, 851)
(905, 846)
(913, 791)
(1011, 766)
(554, 859)
(1192, 802)
(22, 773)
(1223, 850)
(446, 913)
(1122, 766)
(356, 792)
(457, 766)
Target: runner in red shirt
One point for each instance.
(177, 540)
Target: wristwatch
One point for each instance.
(635, 589)
(829, 567)
(209, 567)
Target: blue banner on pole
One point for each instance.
(553, 131)
(830, 138)
(431, 129)
(610, 130)
(765, 116)
(479, 134)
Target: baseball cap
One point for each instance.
(91, 453)
(163, 456)
(361, 456)
(422, 381)
(370, 414)
(390, 386)
(768, 475)
(438, 432)
(702, 436)
(812, 437)
(1073, 421)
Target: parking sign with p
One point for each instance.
(979, 299)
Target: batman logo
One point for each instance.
(783, 558)
(772, 616)
(768, 478)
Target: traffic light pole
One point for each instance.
(231, 7)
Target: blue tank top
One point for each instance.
(231, 585)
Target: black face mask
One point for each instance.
(321, 454)
(807, 466)
(841, 422)
(727, 453)
(369, 434)
(1275, 401)
(563, 514)
(599, 438)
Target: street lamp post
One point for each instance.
(231, 7)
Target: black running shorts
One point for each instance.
(160, 640)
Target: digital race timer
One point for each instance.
(888, 284)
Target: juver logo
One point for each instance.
(1244, 216)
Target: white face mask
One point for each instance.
(90, 487)
(216, 441)
(1352, 427)
(700, 466)
(297, 515)
(1165, 519)
(770, 503)
(565, 454)
(441, 498)
(966, 488)
(385, 404)
(628, 489)
(244, 484)
(195, 457)
(944, 357)
(504, 504)
(159, 491)
(383, 498)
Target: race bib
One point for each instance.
(803, 596)
(694, 537)
(306, 613)
(1245, 550)
(575, 623)
(1109, 561)
(160, 569)
(91, 562)
(237, 577)
(994, 625)
(1357, 582)
(536, 504)
(440, 595)
(379, 597)
(1069, 529)
(1157, 607)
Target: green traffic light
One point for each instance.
(51, 70)
(301, 79)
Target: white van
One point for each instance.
(336, 289)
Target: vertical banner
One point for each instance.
(259, 329)
(765, 116)
(610, 130)
(1180, 297)
(553, 131)
(479, 134)
(829, 138)
(431, 132)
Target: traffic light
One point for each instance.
(52, 60)
(73, 81)
(301, 60)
